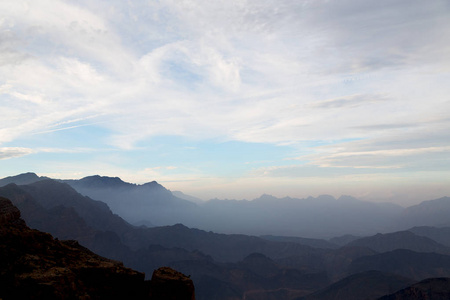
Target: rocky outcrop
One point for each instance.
(34, 265)
(9, 214)
(168, 284)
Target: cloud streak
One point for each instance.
(13, 152)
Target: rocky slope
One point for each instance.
(169, 284)
(362, 286)
(34, 265)
(428, 289)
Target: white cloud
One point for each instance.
(13, 152)
(245, 71)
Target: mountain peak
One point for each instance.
(21, 179)
(267, 197)
(98, 181)
(154, 184)
(348, 198)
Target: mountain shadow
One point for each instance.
(400, 240)
(428, 289)
(407, 263)
(440, 235)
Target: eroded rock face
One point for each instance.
(168, 284)
(34, 265)
(9, 214)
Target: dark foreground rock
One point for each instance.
(34, 265)
(168, 284)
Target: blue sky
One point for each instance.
(231, 99)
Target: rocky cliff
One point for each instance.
(34, 265)
(168, 284)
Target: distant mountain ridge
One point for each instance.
(235, 265)
(146, 249)
(406, 263)
(440, 235)
(135, 203)
(427, 213)
(321, 217)
(400, 240)
(317, 243)
(25, 178)
(365, 285)
(151, 203)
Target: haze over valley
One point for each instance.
(284, 248)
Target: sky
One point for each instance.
(231, 99)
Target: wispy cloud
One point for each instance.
(197, 72)
(350, 101)
(12, 152)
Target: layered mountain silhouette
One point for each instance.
(362, 286)
(238, 266)
(151, 204)
(406, 263)
(25, 178)
(318, 243)
(400, 240)
(320, 217)
(136, 203)
(56, 207)
(323, 216)
(440, 235)
(428, 213)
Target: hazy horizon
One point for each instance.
(404, 202)
(231, 99)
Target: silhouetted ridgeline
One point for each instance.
(238, 266)
(365, 285)
(321, 217)
(33, 265)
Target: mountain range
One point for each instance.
(151, 204)
(237, 266)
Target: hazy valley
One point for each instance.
(267, 248)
